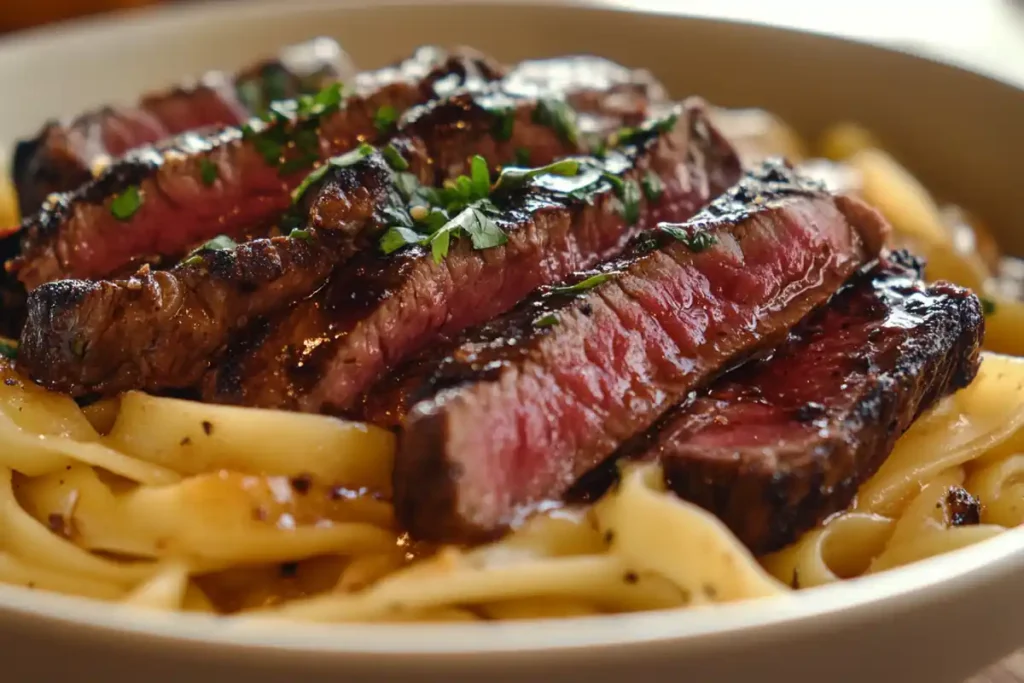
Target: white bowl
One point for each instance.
(938, 620)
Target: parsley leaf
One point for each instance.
(483, 232)
(659, 126)
(988, 306)
(548, 320)
(299, 234)
(480, 176)
(316, 105)
(630, 197)
(397, 237)
(385, 118)
(395, 159)
(349, 158)
(208, 172)
(695, 240)
(559, 116)
(584, 285)
(124, 205)
(514, 177)
(8, 348)
(653, 187)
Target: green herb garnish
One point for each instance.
(584, 285)
(354, 156)
(300, 234)
(630, 196)
(407, 184)
(321, 103)
(514, 177)
(522, 156)
(385, 118)
(126, 204)
(695, 241)
(8, 348)
(988, 306)
(548, 320)
(472, 221)
(504, 123)
(207, 172)
(479, 176)
(397, 237)
(627, 135)
(394, 158)
(653, 187)
(559, 116)
(218, 243)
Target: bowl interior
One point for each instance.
(960, 132)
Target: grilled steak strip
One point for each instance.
(196, 186)
(61, 157)
(517, 410)
(381, 309)
(778, 445)
(160, 331)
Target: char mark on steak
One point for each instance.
(380, 310)
(166, 198)
(780, 444)
(160, 331)
(517, 410)
(64, 153)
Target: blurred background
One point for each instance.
(985, 34)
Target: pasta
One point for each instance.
(175, 505)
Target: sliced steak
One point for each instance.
(64, 154)
(778, 445)
(108, 336)
(517, 410)
(165, 198)
(380, 309)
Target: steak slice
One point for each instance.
(160, 331)
(780, 444)
(62, 156)
(516, 411)
(380, 310)
(165, 198)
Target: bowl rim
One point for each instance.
(903, 588)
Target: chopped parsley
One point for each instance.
(514, 177)
(8, 348)
(300, 234)
(695, 240)
(126, 204)
(988, 306)
(630, 197)
(479, 176)
(653, 187)
(559, 116)
(218, 243)
(385, 118)
(472, 221)
(504, 123)
(584, 285)
(397, 237)
(548, 320)
(407, 184)
(354, 156)
(395, 159)
(207, 172)
(325, 101)
(660, 126)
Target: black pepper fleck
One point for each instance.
(302, 484)
(184, 442)
(631, 578)
(288, 570)
(207, 427)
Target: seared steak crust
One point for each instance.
(61, 157)
(515, 411)
(120, 335)
(780, 444)
(183, 203)
(382, 309)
